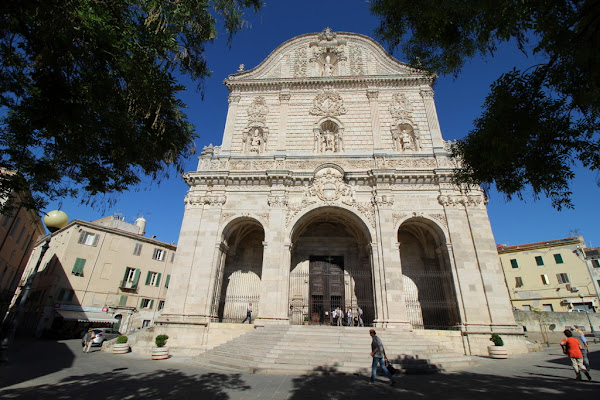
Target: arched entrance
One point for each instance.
(330, 267)
(429, 293)
(239, 278)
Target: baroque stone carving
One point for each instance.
(441, 218)
(383, 200)
(400, 108)
(357, 66)
(328, 185)
(328, 103)
(277, 201)
(365, 209)
(211, 200)
(301, 64)
(264, 217)
(255, 140)
(225, 216)
(294, 208)
(456, 200)
(257, 111)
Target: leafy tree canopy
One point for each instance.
(88, 93)
(538, 123)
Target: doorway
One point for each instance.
(326, 287)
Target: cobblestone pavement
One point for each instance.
(59, 370)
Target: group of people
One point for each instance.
(338, 316)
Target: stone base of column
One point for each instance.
(183, 319)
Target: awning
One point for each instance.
(87, 316)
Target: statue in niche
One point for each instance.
(407, 141)
(254, 141)
(329, 141)
(328, 66)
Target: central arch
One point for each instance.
(330, 267)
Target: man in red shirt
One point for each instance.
(572, 348)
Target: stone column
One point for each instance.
(221, 250)
(494, 286)
(373, 95)
(396, 315)
(379, 289)
(476, 313)
(432, 118)
(284, 100)
(234, 99)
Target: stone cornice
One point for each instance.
(338, 82)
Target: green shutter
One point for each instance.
(514, 263)
(142, 303)
(151, 304)
(78, 267)
(558, 259)
(167, 281)
(539, 260)
(123, 301)
(136, 278)
(148, 277)
(158, 279)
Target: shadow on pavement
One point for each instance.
(161, 384)
(50, 356)
(533, 382)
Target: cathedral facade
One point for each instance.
(332, 189)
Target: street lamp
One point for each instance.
(54, 220)
(587, 312)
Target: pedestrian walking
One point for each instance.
(359, 311)
(248, 314)
(88, 339)
(340, 316)
(378, 354)
(572, 348)
(349, 316)
(579, 335)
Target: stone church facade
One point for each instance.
(332, 188)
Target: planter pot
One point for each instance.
(497, 352)
(305, 322)
(120, 348)
(160, 353)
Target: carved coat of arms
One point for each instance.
(328, 104)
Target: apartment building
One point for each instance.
(555, 275)
(101, 273)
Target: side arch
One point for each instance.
(238, 279)
(428, 282)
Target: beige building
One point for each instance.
(18, 235)
(101, 273)
(550, 276)
(333, 188)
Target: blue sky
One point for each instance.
(458, 102)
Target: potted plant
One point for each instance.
(497, 350)
(121, 346)
(160, 352)
(306, 320)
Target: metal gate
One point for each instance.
(324, 286)
(430, 299)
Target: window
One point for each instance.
(146, 323)
(513, 263)
(526, 307)
(159, 254)
(562, 278)
(131, 278)
(161, 305)
(147, 304)
(167, 281)
(558, 259)
(21, 234)
(88, 238)
(78, 267)
(545, 279)
(547, 307)
(153, 278)
(172, 257)
(518, 281)
(15, 227)
(539, 260)
(137, 250)
(595, 263)
(123, 301)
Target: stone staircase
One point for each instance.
(285, 349)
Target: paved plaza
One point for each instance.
(59, 370)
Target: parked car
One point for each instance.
(102, 334)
